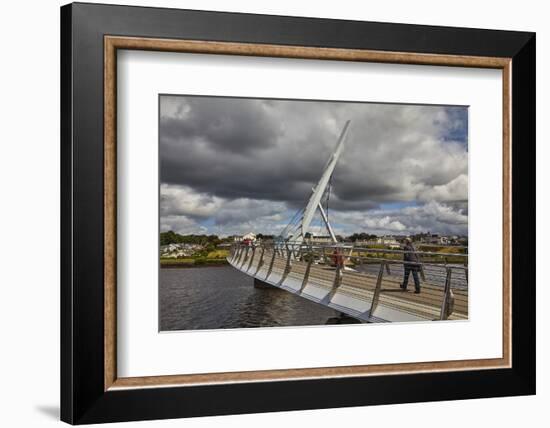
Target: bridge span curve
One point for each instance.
(360, 282)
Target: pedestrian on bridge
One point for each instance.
(411, 265)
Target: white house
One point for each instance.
(249, 237)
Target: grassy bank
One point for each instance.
(213, 258)
(375, 258)
(446, 255)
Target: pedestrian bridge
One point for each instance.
(362, 283)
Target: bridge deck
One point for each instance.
(354, 294)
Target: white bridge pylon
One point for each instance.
(314, 202)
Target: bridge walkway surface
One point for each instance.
(362, 295)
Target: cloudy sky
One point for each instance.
(232, 166)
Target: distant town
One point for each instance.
(178, 250)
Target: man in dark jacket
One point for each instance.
(412, 264)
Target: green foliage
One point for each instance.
(218, 254)
(172, 237)
(206, 254)
(169, 238)
(361, 237)
(263, 237)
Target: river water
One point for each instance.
(222, 297)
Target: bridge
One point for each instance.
(360, 282)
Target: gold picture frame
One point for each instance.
(114, 43)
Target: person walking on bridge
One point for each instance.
(411, 264)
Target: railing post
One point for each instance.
(299, 256)
(422, 274)
(288, 265)
(446, 305)
(245, 256)
(236, 253)
(271, 263)
(337, 277)
(337, 280)
(358, 259)
(261, 261)
(241, 251)
(376, 295)
(295, 252)
(251, 258)
(306, 274)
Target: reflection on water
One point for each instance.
(222, 297)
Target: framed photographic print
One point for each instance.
(266, 213)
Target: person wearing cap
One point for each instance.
(411, 265)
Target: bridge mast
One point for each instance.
(314, 202)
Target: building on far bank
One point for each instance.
(318, 239)
(388, 240)
(179, 250)
(251, 237)
(436, 239)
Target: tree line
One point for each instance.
(172, 237)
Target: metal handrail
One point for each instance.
(310, 250)
(358, 248)
(299, 251)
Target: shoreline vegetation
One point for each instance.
(192, 251)
(449, 255)
(189, 251)
(218, 259)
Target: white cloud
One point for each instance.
(181, 224)
(182, 200)
(183, 210)
(454, 190)
(433, 216)
(384, 223)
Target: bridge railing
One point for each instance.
(447, 269)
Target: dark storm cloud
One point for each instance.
(241, 125)
(242, 148)
(275, 150)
